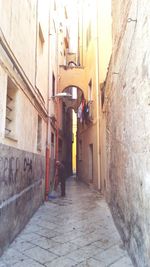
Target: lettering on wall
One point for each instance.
(13, 169)
(27, 164)
(9, 169)
(27, 167)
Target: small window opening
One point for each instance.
(10, 119)
(52, 138)
(80, 150)
(53, 85)
(41, 40)
(39, 134)
(90, 91)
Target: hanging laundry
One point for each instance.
(90, 106)
(80, 112)
(83, 110)
(86, 112)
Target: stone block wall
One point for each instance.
(128, 127)
(21, 190)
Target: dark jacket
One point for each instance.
(61, 172)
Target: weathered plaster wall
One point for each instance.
(22, 153)
(95, 44)
(104, 37)
(19, 29)
(72, 76)
(87, 138)
(87, 133)
(26, 120)
(41, 63)
(21, 193)
(128, 127)
(21, 32)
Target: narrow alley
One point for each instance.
(74, 102)
(74, 231)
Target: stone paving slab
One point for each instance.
(40, 255)
(111, 255)
(77, 230)
(123, 262)
(61, 262)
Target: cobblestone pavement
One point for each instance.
(77, 230)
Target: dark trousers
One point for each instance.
(63, 186)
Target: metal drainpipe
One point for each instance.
(47, 180)
(57, 127)
(57, 98)
(37, 3)
(97, 100)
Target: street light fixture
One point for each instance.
(64, 94)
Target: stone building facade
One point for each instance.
(30, 35)
(23, 113)
(127, 111)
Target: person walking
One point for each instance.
(61, 177)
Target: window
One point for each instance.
(41, 40)
(90, 90)
(102, 94)
(88, 34)
(39, 134)
(53, 85)
(91, 163)
(90, 101)
(52, 146)
(10, 120)
(54, 5)
(60, 145)
(52, 138)
(80, 150)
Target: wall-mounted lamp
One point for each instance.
(115, 72)
(131, 20)
(61, 95)
(64, 94)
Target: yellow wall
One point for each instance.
(95, 59)
(72, 76)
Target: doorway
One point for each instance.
(74, 141)
(91, 163)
